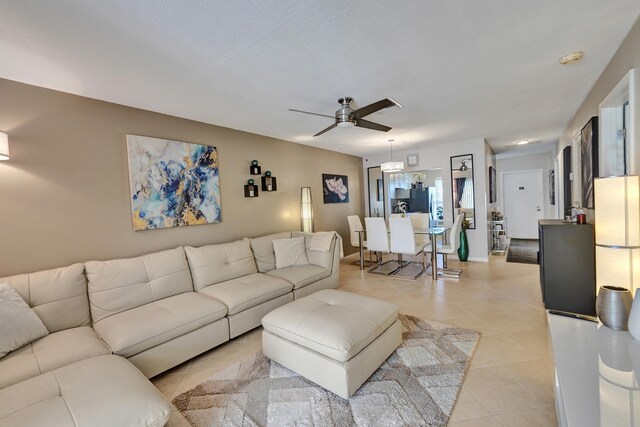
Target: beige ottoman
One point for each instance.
(335, 339)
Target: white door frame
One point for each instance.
(541, 178)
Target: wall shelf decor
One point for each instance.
(250, 189)
(269, 183)
(254, 169)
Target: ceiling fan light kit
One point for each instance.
(346, 124)
(347, 117)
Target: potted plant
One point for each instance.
(463, 249)
(401, 207)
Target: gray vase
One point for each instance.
(613, 305)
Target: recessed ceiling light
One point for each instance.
(523, 142)
(571, 58)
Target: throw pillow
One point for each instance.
(290, 252)
(19, 325)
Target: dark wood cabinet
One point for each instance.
(567, 266)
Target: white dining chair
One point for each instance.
(403, 242)
(378, 242)
(450, 248)
(420, 220)
(355, 226)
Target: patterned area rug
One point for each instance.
(524, 251)
(416, 386)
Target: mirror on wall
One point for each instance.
(414, 192)
(462, 187)
(376, 191)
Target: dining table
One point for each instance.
(433, 233)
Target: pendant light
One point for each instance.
(392, 166)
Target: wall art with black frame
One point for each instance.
(493, 194)
(335, 188)
(589, 160)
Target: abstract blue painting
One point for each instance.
(172, 183)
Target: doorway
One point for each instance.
(523, 200)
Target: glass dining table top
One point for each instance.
(431, 230)
(424, 230)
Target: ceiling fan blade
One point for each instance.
(314, 114)
(372, 108)
(371, 125)
(326, 130)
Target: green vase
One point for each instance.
(463, 250)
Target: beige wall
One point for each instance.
(64, 195)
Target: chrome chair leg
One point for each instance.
(366, 263)
(383, 268)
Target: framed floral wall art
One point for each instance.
(172, 183)
(335, 188)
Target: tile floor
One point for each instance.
(510, 380)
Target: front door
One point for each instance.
(523, 202)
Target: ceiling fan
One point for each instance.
(346, 116)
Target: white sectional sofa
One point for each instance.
(157, 311)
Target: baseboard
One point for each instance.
(475, 259)
(478, 259)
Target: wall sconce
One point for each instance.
(617, 212)
(306, 210)
(4, 146)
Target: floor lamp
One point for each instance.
(306, 210)
(617, 212)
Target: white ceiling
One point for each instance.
(461, 69)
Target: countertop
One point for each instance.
(597, 374)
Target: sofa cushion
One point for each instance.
(101, 391)
(300, 275)
(51, 292)
(290, 252)
(19, 325)
(334, 323)
(247, 291)
(122, 284)
(213, 264)
(262, 248)
(51, 352)
(321, 258)
(132, 331)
